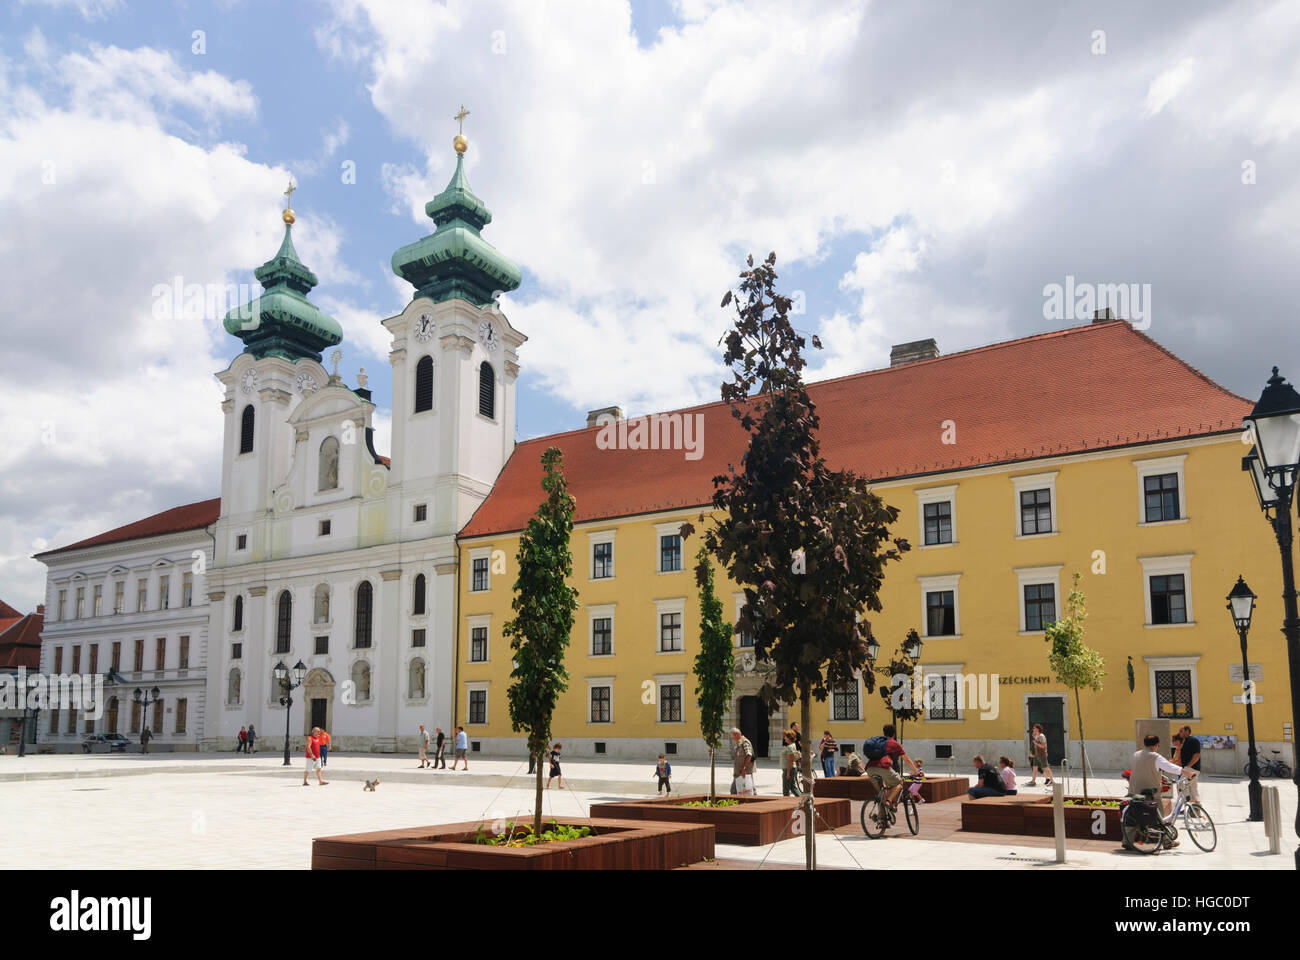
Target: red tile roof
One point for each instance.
(1085, 388)
(190, 516)
(20, 640)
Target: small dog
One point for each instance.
(370, 785)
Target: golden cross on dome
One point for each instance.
(288, 194)
(460, 119)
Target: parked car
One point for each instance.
(105, 742)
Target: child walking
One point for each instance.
(664, 771)
(555, 767)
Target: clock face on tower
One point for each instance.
(487, 334)
(423, 327)
(248, 382)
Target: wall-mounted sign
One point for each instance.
(1021, 681)
(1234, 672)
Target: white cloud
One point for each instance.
(89, 9)
(1166, 86)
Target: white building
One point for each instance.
(132, 601)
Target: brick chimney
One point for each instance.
(40, 609)
(902, 353)
(593, 416)
(1102, 315)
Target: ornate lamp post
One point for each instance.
(1241, 604)
(1272, 464)
(286, 701)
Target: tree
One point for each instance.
(544, 604)
(1075, 664)
(807, 544)
(714, 664)
(900, 675)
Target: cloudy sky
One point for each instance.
(921, 170)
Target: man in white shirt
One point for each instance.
(1147, 766)
(462, 748)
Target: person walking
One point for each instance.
(313, 758)
(1189, 755)
(145, 736)
(324, 747)
(742, 764)
(789, 766)
(829, 749)
(1038, 756)
(555, 767)
(440, 756)
(423, 742)
(252, 739)
(664, 771)
(241, 745)
(462, 748)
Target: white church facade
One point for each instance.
(324, 555)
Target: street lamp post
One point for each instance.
(144, 698)
(31, 713)
(286, 701)
(1272, 464)
(1241, 604)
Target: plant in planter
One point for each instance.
(523, 836)
(714, 664)
(712, 802)
(544, 604)
(1075, 664)
(807, 544)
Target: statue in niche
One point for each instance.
(329, 464)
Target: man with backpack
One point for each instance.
(880, 753)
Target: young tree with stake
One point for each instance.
(1075, 664)
(715, 663)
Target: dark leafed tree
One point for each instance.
(543, 604)
(714, 664)
(899, 687)
(807, 544)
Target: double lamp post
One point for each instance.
(287, 687)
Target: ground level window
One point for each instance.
(1174, 693)
(844, 703)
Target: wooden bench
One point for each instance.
(933, 789)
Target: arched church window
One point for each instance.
(487, 391)
(365, 598)
(328, 468)
(283, 621)
(418, 607)
(239, 612)
(246, 430)
(424, 384)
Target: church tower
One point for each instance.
(455, 359)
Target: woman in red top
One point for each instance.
(313, 757)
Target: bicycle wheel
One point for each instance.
(874, 817)
(1246, 769)
(1139, 837)
(912, 814)
(1200, 827)
(1282, 770)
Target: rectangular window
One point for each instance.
(1174, 693)
(746, 638)
(97, 608)
(157, 726)
(89, 725)
(63, 598)
(135, 717)
(600, 705)
(1161, 495)
(938, 522)
(72, 721)
(478, 706)
(478, 640)
(322, 647)
(941, 613)
(58, 659)
(76, 659)
(602, 560)
(94, 658)
(141, 595)
(670, 703)
(119, 597)
(479, 578)
(602, 636)
(1035, 511)
(844, 703)
(324, 528)
(1040, 605)
(421, 512)
(1168, 599)
(187, 589)
(160, 655)
(241, 541)
(139, 656)
(181, 706)
(54, 719)
(670, 632)
(670, 553)
(117, 656)
(184, 663)
(164, 593)
(237, 651)
(417, 638)
(941, 696)
(81, 603)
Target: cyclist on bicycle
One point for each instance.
(1148, 764)
(880, 753)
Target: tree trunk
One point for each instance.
(1083, 750)
(809, 820)
(537, 806)
(713, 783)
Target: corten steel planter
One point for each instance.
(1031, 816)
(754, 821)
(615, 845)
(933, 789)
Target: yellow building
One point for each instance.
(1014, 466)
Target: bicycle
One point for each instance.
(1271, 766)
(1148, 837)
(878, 816)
